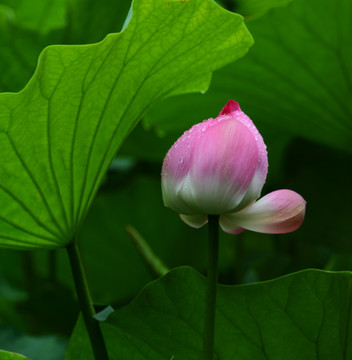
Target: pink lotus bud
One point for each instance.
(219, 167)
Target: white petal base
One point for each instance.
(195, 221)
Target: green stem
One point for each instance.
(210, 305)
(86, 304)
(154, 264)
(239, 271)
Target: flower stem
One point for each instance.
(210, 305)
(86, 304)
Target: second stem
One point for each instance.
(210, 305)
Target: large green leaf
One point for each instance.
(304, 316)
(297, 76)
(59, 135)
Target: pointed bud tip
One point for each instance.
(230, 107)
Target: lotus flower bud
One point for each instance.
(219, 167)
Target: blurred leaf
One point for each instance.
(146, 145)
(59, 135)
(4, 355)
(322, 177)
(54, 302)
(90, 20)
(83, 21)
(35, 347)
(40, 15)
(252, 9)
(11, 275)
(297, 77)
(28, 300)
(19, 49)
(300, 316)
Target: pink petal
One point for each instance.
(217, 166)
(210, 167)
(196, 221)
(175, 170)
(233, 109)
(176, 167)
(279, 212)
(224, 162)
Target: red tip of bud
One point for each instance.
(230, 107)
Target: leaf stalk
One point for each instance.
(86, 303)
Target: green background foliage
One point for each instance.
(295, 83)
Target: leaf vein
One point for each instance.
(50, 157)
(28, 211)
(35, 183)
